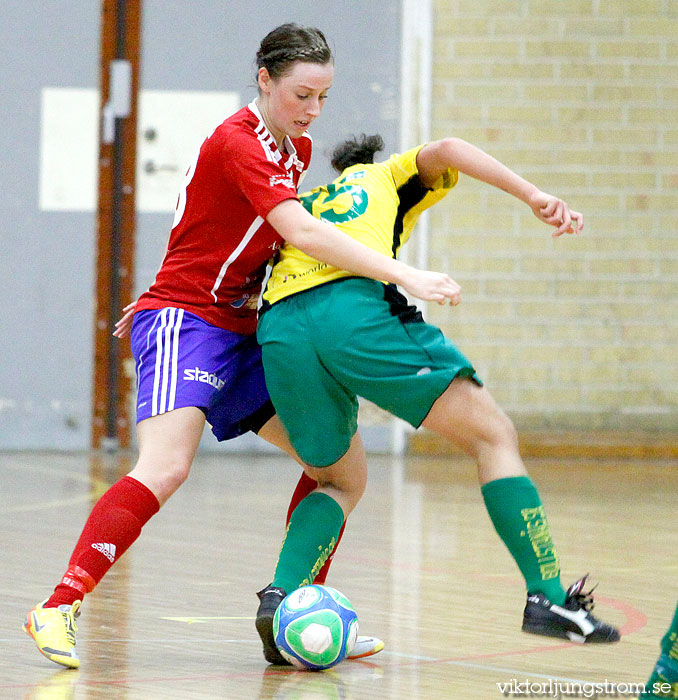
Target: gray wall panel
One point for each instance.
(47, 258)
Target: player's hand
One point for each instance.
(556, 212)
(432, 286)
(122, 327)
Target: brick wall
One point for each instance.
(581, 98)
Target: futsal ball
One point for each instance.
(315, 627)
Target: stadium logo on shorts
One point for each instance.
(199, 375)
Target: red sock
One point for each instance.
(305, 486)
(113, 525)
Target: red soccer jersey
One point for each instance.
(221, 242)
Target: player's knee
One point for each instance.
(493, 430)
(346, 486)
(492, 425)
(503, 431)
(352, 488)
(177, 472)
(163, 477)
(341, 480)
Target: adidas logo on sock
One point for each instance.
(107, 549)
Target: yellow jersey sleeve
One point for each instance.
(377, 204)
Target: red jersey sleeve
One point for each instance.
(259, 172)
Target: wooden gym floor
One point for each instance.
(421, 563)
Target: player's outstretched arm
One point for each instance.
(436, 157)
(330, 245)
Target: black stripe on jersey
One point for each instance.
(410, 194)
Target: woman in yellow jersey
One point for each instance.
(329, 337)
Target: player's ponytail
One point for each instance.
(289, 43)
(356, 150)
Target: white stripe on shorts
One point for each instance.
(166, 349)
(175, 357)
(158, 361)
(166, 356)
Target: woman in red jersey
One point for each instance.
(193, 336)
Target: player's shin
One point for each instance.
(304, 487)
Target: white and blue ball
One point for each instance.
(315, 627)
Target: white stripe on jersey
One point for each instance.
(272, 155)
(271, 148)
(267, 142)
(254, 227)
(264, 135)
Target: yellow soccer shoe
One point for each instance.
(53, 630)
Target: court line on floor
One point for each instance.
(410, 660)
(97, 487)
(204, 620)
(268, 671)
(635, 620)
(485, 667)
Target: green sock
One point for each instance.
(665, 673)
(670, 639)
(663, 682)
(311, 535)
(518, 517)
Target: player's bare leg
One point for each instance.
(344, 482)
(468, 415)
(274, 432)
(167, 446)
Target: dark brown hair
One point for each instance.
(289, 43)
(356, 150)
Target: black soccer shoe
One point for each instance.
(573, 620)
(269, 600)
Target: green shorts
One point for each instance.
(355, 337)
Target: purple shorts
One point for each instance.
(184, 361)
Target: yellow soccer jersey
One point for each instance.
(377, 204)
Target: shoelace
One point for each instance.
(583, 598)
(71, 628)
(69, 621)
